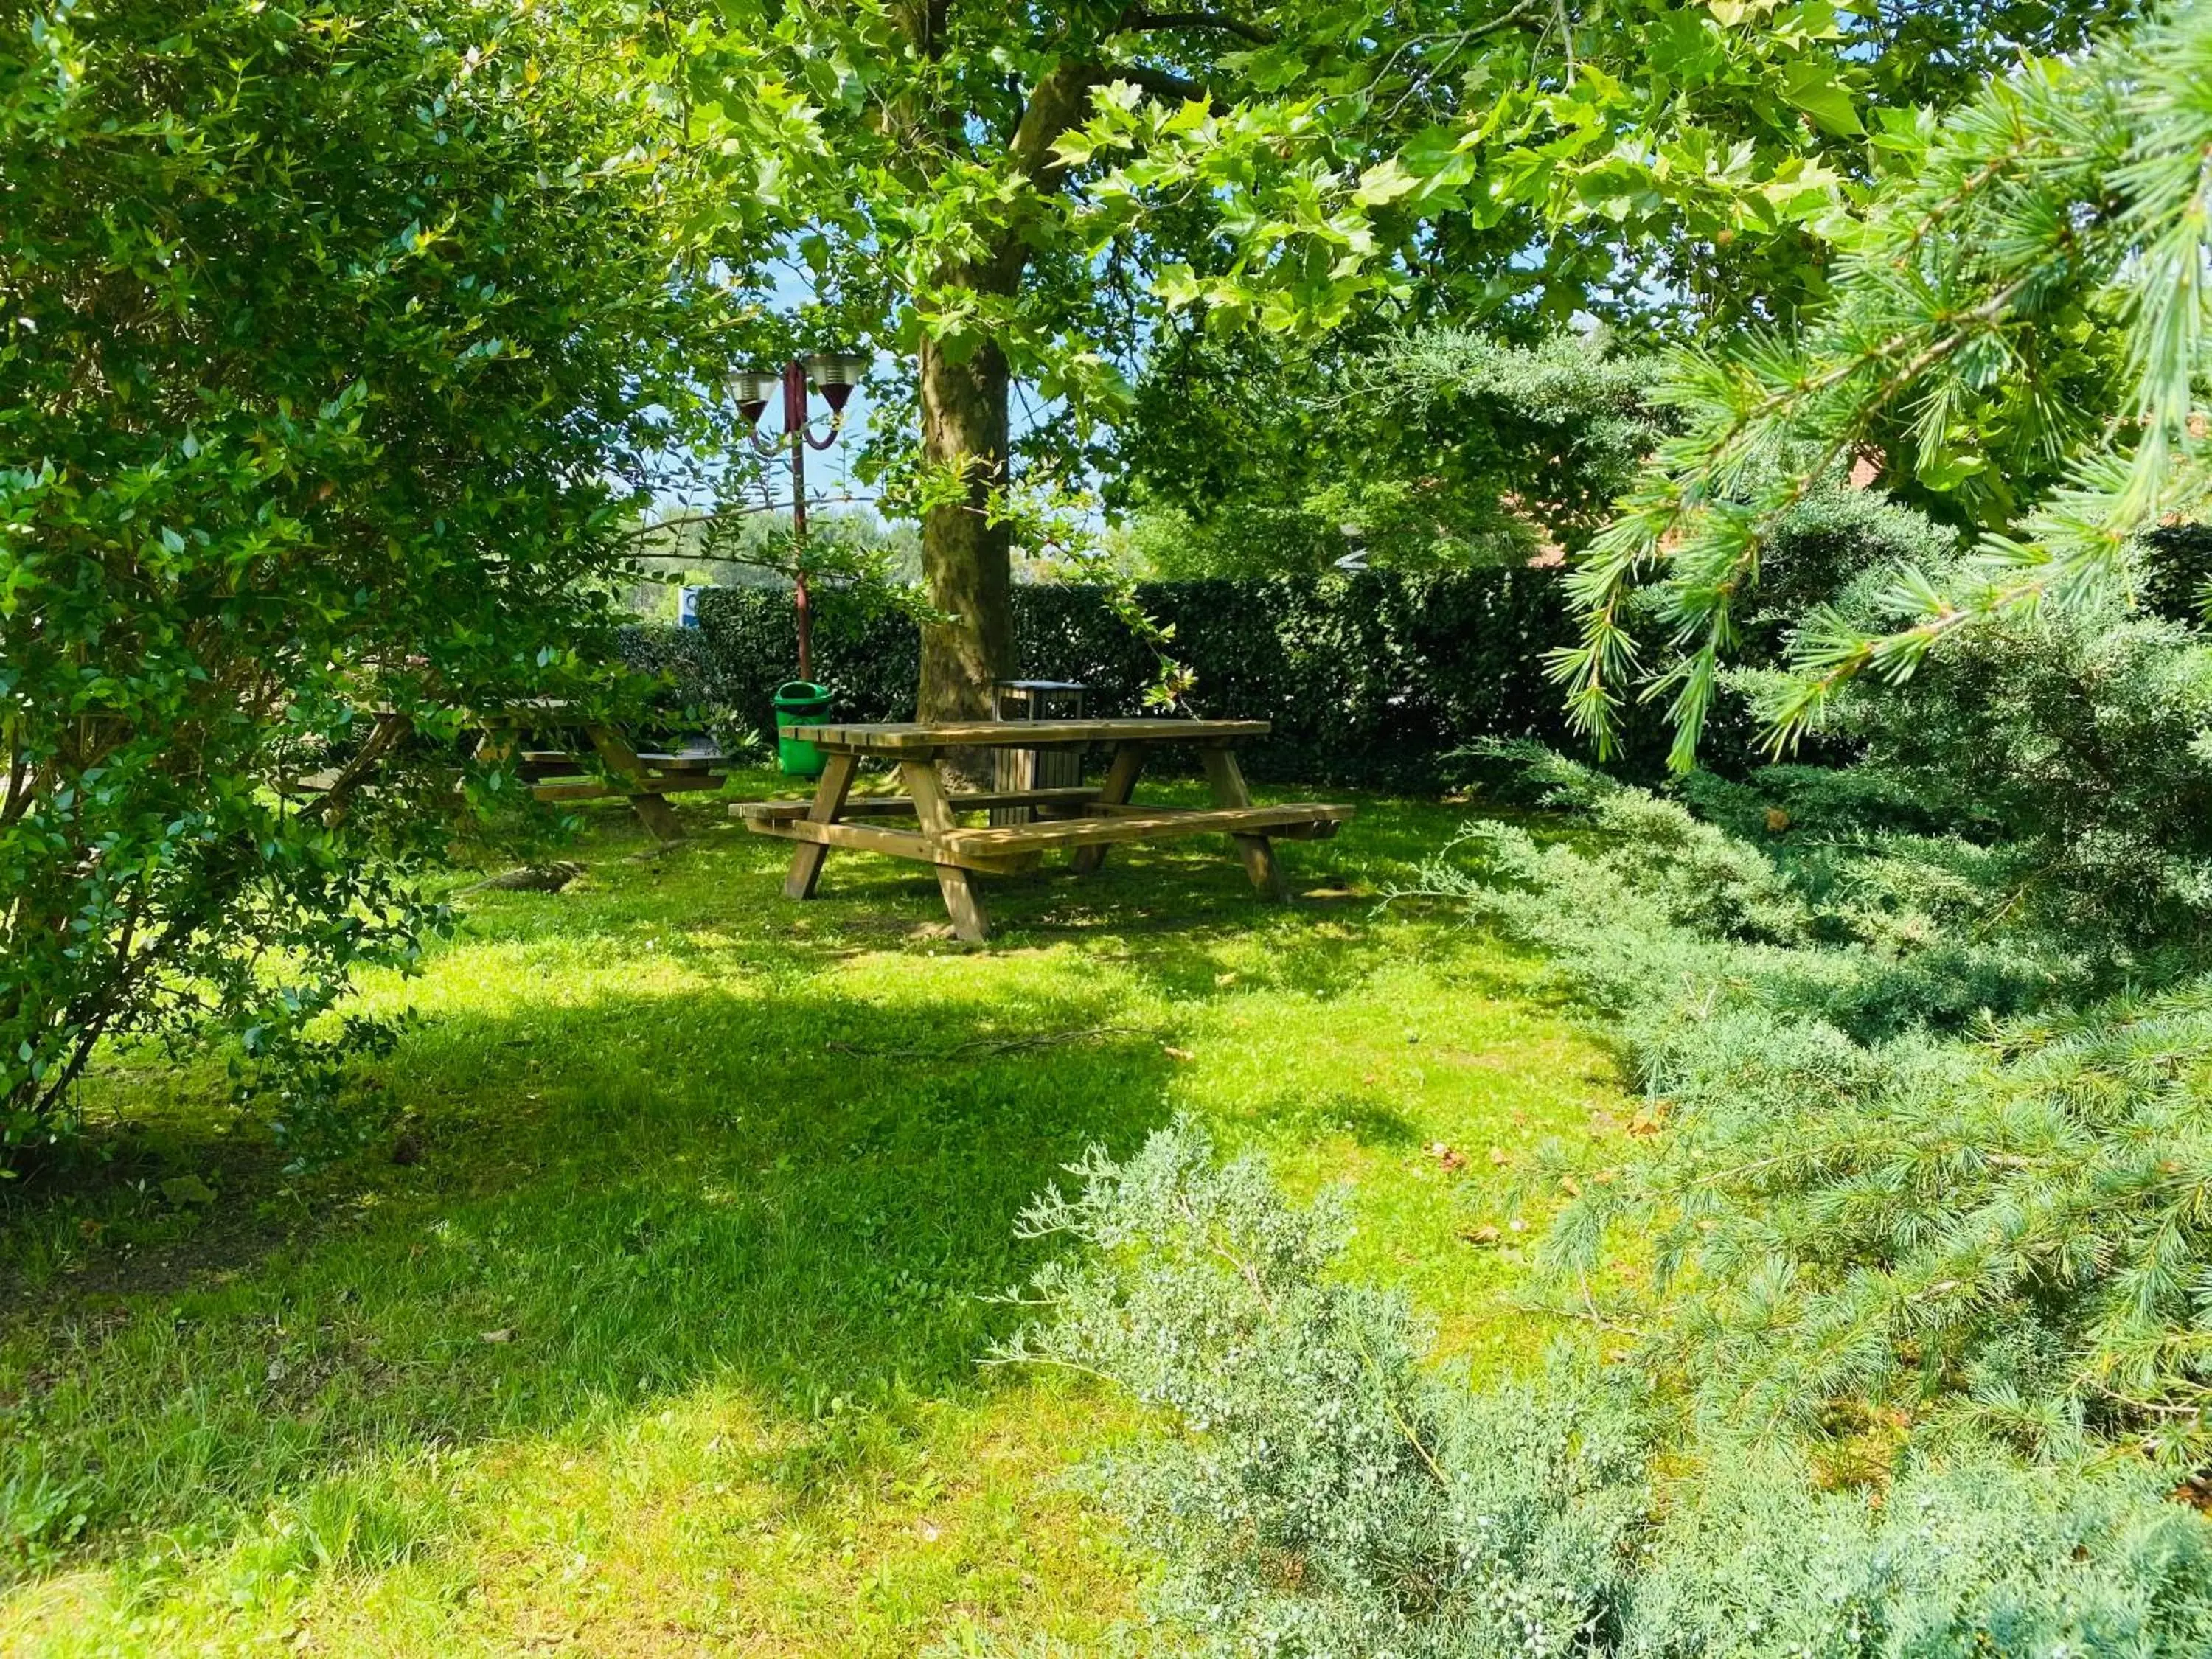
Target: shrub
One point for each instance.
(1976, 1559)
(1921, 1156)
(318, 381)
(2081, 740)
(1315, 1490)
(1312, 1490)
(1375, 678)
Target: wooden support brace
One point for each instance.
(621, 760)
(1227, 779)
(962, 903)
(806, 858)
(1120, 782)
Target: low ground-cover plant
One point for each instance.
(1909, 1241)
(1930, 1034)
(1315, 1490)
(1925, 1153)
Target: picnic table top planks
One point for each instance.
(920, 736)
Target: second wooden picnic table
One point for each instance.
(564, 774)
(1089, 819)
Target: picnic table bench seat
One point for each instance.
(999, 847)
(1087, 820)
(594, 761)
(1103, 825)
(902, 806)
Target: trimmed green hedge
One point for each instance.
(1370, 679)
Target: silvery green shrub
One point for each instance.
(1312, 1488)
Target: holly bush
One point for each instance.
(334, 340)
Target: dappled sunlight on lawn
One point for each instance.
(652, 1322)
(699, 1520)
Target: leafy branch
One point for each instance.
(2070, 199)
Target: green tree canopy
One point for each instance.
(1001, 196)
(333, 342)
(1439, 447)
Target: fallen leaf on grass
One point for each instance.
(1484, 1234)
(507, 1335)
(1499, 1156)
(1447, 1156)
(1174, 1052)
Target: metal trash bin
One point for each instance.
(1036, 768)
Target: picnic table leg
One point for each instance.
(621, 760)
(962, 903)
(498, 745)
(829, 801)
(1227, 778)
(1121, 783)
(494, 745)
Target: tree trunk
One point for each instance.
(966, 560)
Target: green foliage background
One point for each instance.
(334, 344)
(2016, 341)
(1432, 448)
(1374, 678)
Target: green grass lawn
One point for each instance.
(654, 1325)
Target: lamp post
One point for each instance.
(834, 374)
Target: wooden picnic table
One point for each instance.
(1089, 820)
(643, 778)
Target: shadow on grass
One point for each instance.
(774, 1186)
(664, 1128)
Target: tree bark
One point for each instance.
(967, 561)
